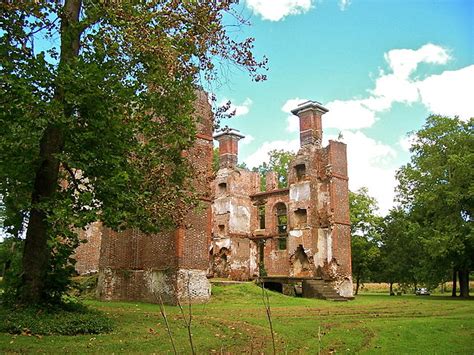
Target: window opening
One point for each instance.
(282, 225)
(301, 217)
(261, 217)
(300, 172)
(221, 229)
(222, 187)
(282, 243)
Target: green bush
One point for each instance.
(71, 320)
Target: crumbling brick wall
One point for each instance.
(315, 241)
(88, 253)
(138, 266)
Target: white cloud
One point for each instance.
(370, 165)
(450, 93)
(247, 140)
(261, 155)
(393, 88)
(293, 123)
(276, 10)
(348, 114)
(404, 62)
(291, 104)
(405, 142)
(240, 110)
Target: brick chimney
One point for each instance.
(311, 129)
(228, 139)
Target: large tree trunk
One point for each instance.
(36, 252)
(464, 283)
(391, 289)
(453, 292)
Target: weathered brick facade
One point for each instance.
(138, 266)
(299, 231)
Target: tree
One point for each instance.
(402, 252)
(94, 126)
(437, 190)
(279, 161)
(365, 224)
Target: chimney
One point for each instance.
(228, 139)
(311, 129)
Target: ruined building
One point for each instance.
(136, 266)
(294, 234)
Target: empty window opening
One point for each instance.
(282, 243)
(300, 172)
(301, 217)
(261, 217)
(222, 187)
(221, 229)
(282, 225)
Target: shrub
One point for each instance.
(66, 320)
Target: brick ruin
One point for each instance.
(136, 266)
(299, 232)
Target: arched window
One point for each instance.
(282, 225)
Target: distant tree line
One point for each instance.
(428, 238)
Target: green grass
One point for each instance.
(235, 322)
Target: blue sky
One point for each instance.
(380, 67)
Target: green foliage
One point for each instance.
(365, 233)
(279, 161)
(436, 189)
(402, 254)
(73, 320)
(11, 249)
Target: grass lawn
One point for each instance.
(235, 322)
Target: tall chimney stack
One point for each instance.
(311, 129)
(228, 139)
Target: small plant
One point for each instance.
(187, 319)
(165, 318)
(266, 303)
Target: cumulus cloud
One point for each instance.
(447, 93)
(348, 114)
(261, 154)
(276, 10)
(370, 165)
(247, 140)
(291, 104)
(293, 123)
(240, 110)
(404, 62)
